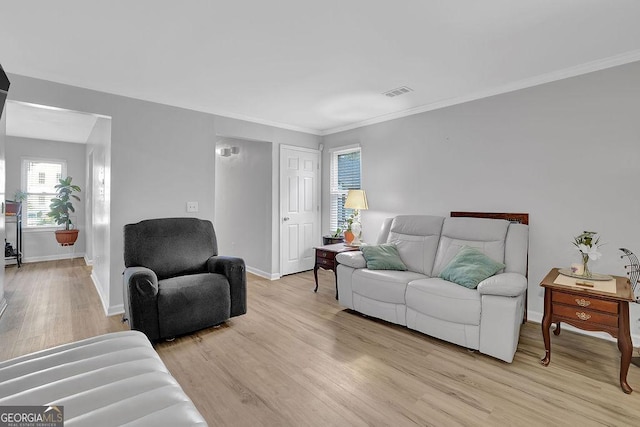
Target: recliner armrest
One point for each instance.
(353, 259)
(233, 269)
(504, 284)
(141, 300)
(142, 280)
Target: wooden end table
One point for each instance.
(326, 259)
(589, 310)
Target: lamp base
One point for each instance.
(356, 228)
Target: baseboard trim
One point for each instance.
(96, 284)
(3, 306)
(263, 274)
(536, 317)
(88, 261)
(115, 310)
(27, 260)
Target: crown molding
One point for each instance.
(589, 67)
(266, 122)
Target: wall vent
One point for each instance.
(398, 91)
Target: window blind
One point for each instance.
(345, 176)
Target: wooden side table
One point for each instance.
(589, 310)
(326, 259)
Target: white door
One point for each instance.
(299, 208)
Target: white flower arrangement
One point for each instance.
(587, 244)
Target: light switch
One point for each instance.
(192, 206)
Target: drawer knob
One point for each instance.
(583, 302)
(582, 315)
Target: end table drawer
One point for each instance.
(325, 254)
(325, 261)
(586, 302)
(586, 316)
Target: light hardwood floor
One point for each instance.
(297, 359)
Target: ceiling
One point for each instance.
(314, 66)
(49, 123)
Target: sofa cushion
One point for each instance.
(470, 267)
(382, 257)
(516, 247)
(444, 300)
(416, 237)
(383, 285)
(488, 235)
(193, 302)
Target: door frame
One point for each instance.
(318, 218)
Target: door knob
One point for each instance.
(286, 218)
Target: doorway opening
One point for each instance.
(83, 141)
(243, 216)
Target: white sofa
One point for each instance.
(487, 319)
(108, 380)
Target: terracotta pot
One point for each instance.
(66, 237)
(348, 237)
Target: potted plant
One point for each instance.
(333, 238)
(20, 196)
(60, 209)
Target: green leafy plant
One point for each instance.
(349, 222)
(61, 205)
(338, 233)
(20, 196)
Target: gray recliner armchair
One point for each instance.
(175, 282)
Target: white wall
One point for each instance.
(41, 244)
(3, 131)
(567, 152)
(243, 211)
(98, 242)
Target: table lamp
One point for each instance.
(356, 200)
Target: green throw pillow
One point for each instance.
(382, 257)
(470, 267)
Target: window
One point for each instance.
(345, 176)
(39, 178)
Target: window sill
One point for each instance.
(39, 229)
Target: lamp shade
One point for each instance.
(356, 199)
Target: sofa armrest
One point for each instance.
(505, 284)
(353, 259)
(233, 269)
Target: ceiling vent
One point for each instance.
(398, 91)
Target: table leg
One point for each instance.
(556, 331)
(546, 324)
(315, 275)
(624, 345)
(335, 272)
